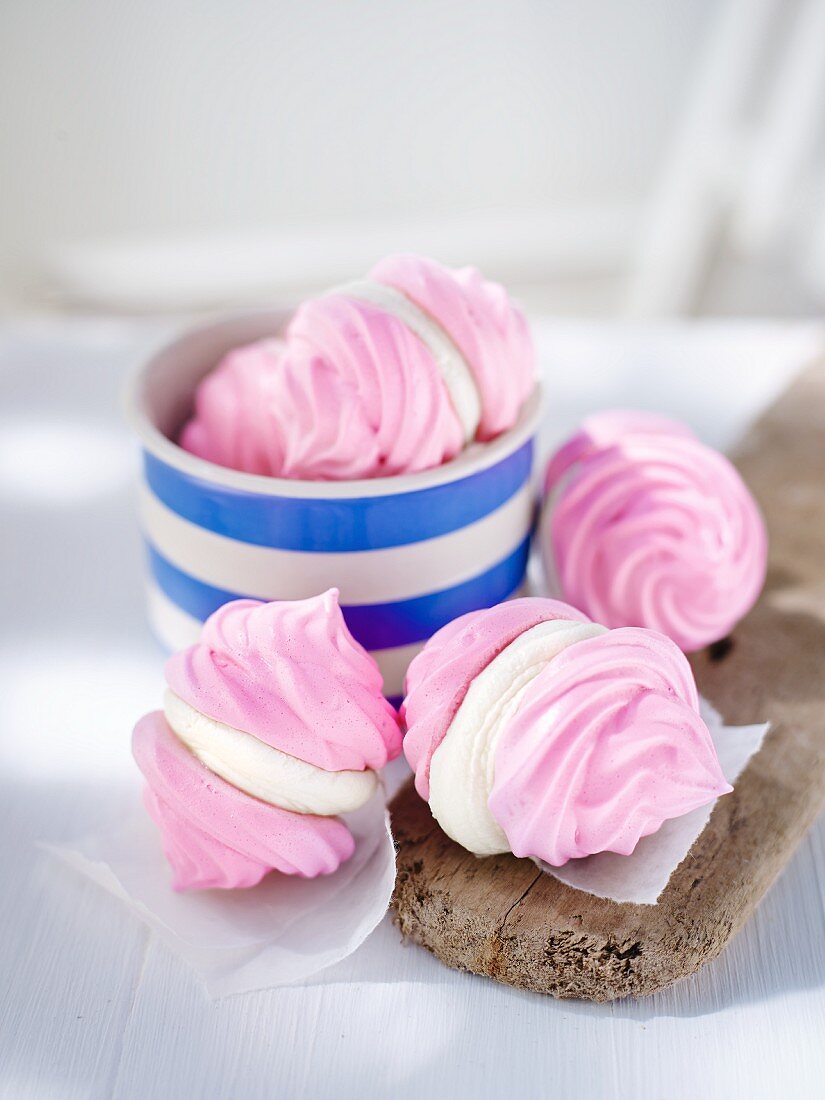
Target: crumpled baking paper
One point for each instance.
(642, 876)
(281, 931)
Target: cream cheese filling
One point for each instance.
(263, 771)
(458, 378)
(462, 769)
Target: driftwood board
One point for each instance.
(500, 917)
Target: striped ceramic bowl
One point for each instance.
(407, 553)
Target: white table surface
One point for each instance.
(92, 1005)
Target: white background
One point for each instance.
(174, 117)
(666, 156)
(91, 1005)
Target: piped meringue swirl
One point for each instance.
(290, 673)
(606, 745)
(646, 526)
(565, 740)
(391, 375)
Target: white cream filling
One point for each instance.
(263, 771)
(458, 378)
(462, 769)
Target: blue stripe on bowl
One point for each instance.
(376, 626)
(339, 525)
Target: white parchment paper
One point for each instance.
(278, 932)
(642, 876)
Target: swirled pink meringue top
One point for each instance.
(291, 673)
(351, 392)
(649, 527)
(607, 744)
(489, 330)
(439, 676)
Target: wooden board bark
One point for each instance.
(501, 918)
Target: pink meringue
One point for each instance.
(215, 835)
(535, 731)
(391, 375)
(644, 525)
(491, 333)
(274, 724)
(291, 674)
(438, 677)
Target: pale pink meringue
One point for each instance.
(644, 525)
(290, 675)
(231, 425)
(438, 677)
(352, 392)
(482, 321)
(607, 744)
(215, 835)
(598, 749)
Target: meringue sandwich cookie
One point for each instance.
(643, 525)
(534, 731)
(274, 723)
(391, 375)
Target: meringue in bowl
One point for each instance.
(409, 551)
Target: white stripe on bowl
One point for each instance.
(176, 629)
(363, 576)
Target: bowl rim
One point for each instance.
(472, 460)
